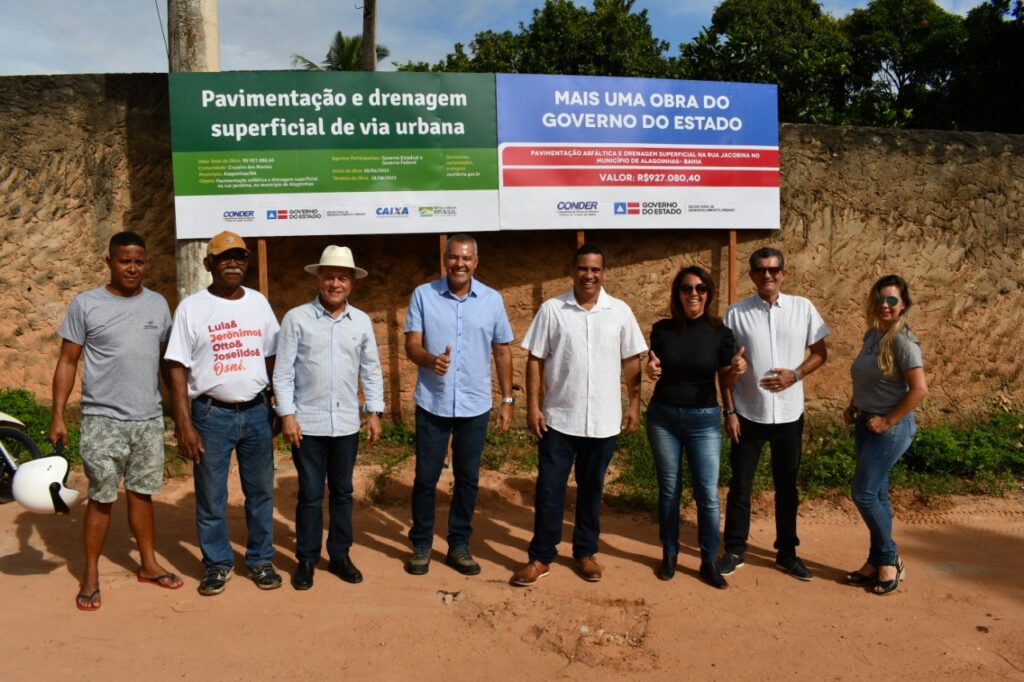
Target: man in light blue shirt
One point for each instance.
(324, 348)
(454, 325)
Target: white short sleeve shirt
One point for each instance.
(225, 344)
(583, 352)
(775, 336)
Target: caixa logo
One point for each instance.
(392, 211)
(239, 216)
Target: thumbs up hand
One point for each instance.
(738, 364)
(653, 366)
(442, 361)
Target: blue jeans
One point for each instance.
(432, 433)
(318, 458)
(249, 433)
(557, 454)
(671, 429)
(877, 454)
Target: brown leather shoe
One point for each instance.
(589, 569)
(529, 574)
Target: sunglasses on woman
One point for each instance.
(890, 301)
(688, 288)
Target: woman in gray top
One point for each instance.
(888, 384)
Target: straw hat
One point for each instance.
(336, 257)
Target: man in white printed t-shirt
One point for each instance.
(582, 343)
(221, 355)
(785, 341)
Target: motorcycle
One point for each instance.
(38, 483)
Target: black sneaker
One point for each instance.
(462, 561)
(214, 581)
(728, 563)
(794, 567)
(265, 577)
(419, 562)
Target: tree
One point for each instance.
(987, 89)
(792, 43)
(563, 38)
(345, 54)
(903, 53)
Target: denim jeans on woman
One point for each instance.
(876, 454)
(671, 430)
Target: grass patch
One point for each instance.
(984, 457)
(981, 457)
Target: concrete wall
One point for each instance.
(82, 157)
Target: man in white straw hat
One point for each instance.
(326, 346)
(454, 325)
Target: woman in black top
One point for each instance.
(688, 352)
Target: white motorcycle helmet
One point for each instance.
(39, 485)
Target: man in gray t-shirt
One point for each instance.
(119, 328)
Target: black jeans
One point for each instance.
(557, 454)
(468, 435)
(785, 441)
(317, 458)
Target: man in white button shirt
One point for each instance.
(785, 340)
(325, 347)
(577, 342)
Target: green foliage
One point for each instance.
(985, 457)
(993, 448)
(793, 43)
(828, 461)
(514, 451)
(980, 94)
(563, 38)
(637, 482)
(397, 444)
(23, 405)
(396, 434)
(904, 55)
(344, 54)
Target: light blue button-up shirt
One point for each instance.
(320, 360)
(470, 325)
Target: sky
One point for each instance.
(126, 36)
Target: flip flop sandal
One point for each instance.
(91, 598)
(175, 581)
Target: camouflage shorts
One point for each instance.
(113, 449)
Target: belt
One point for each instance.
(213, 402)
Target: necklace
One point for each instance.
(872, 348)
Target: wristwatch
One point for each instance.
(508, 400)
(728, 412)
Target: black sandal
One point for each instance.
(858, 579)
(885, 587)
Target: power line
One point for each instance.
(163, 35)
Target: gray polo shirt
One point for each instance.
(874, 392)
(121, 339)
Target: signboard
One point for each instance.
(578, 152)
(287, 153)
(300, 153)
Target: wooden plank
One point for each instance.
(261, 249)
(733, 281)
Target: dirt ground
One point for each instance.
(959, 615)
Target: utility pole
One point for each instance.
(369, 60)
(194, 44)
